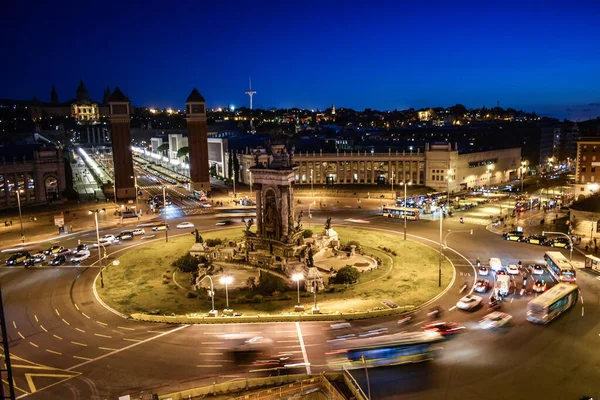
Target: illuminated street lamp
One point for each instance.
(405, 206)
(98, 243)
(20, 215)
(226, 280)
(297, 278)
(309, 214)
(213, 312)
(136, 188)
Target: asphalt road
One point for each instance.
(66, 345)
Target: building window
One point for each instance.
(592, 178)
(593, 158)
(584, 158)
(593, 169)
(594, 148)
(585, 148)
(583, 168)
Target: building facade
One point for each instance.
(36, 171)
(121, 144)
(587, 173)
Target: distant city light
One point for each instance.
(232, 108)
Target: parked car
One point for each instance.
(539, 286)
(495, 320)
(484, 270)
(56, 250)
(138, 231)
(184, 225)
(160, 227)
(125, 235)
(444, 328)
(469, 302)
(107, 238)
(223, 223)
(514, 236)
(18, 258)
(537, 239)
(205, 205)
(560, 242)
(537, 269)
(512, 269)
(81, 256)
(482, 286)
(79, 248)
(58, 260)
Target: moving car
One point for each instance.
(560, 242)
(495, 320)
(186, 224)
(514, 236)
(34, 259)
(223, 223)
(495, 263)
(482, 286)
(444, 328)
(138, 231)
(125, 235)
(55, 250)
(17, 258)
(469, 302)
(484, 271)
(501, 272)
(161, 227)
(79, 248)
(539, 286)
(512, 269)
(537, 239)
(58, 260)
(81, 256)
(537, 269)
(107, 238)
(205, 205)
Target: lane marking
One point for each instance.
(287, 341)
(208, 366)
(101, 323)
(212, 342)
(15, 324)
(65, 321)
(76, 306)
(85, 315)
(106, 336)
(80, 330)
(285, 332)
(20, 334)
(33, 344)
(128, 347)
(79, 344)
(107, 349)
(82, 358)
(57, 313)
(42, 326)
(58, 337)
(53, 352)
(122, 327)
(301, 340)
(210, 354)
(159, 332)
(420, 323)
(451, 308)
(582, 311)
(132, 340)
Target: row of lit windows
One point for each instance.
(583, 169)
(584, 158)
(583, 180)
(585, 148)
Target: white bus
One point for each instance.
(560, 267)
(399, 212)
(551, 304)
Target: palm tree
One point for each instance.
(163, 147)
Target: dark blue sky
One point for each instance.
(542, 56)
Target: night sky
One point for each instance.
(542, 56)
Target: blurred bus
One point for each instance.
(400, 212)
(399, 348)
(551, 304)
(236, 212)
(560, 267)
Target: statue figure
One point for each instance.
(328, 223)
(256, 158)
(198, 237)
(309, 258)
(300, 215)
(270, 215)
(249, 224)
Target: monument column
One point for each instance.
(121, 145)
(259, 213)
(284, 212)
(198, 141)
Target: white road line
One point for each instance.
(65, 321)
(451, 308)
(287, 341)
(107, 349)
(82, 358)
(301, 340)
(79, 344)
(20, 334)
(101, 323)
(127, 347)
(58, 337)
(33, 344)
(42, 326)
(212, 342)
(53, 352)
(208, 366)
(582, 311)
(210, 354)
(105, 336)
(512, 299)
(132, 340)
(129, 329)
(85, 315)
(420, 323)
(36, 318)
(80, 330)
(15, 324)
(76, 306)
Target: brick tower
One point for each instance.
(195, 106)
(121, 145)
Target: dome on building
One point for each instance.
(82, 92)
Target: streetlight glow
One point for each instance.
(297, 278)
(226, 280)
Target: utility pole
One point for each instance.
(165, 210)
(8, 371)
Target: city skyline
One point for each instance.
(385, 58)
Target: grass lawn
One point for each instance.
(142, 282)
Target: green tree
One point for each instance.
(347, 274)
(270, 283)
(182, 152)
(230, 164)
(307, 233)
(236, 167)
(186, 263)
(163, 147)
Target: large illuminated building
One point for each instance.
(82, 108)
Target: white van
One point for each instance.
(502, 285)
(495, 264)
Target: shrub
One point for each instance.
(307, 233)
(213, 242)
(186, 263)
(268, 284)
(191, 295)
(165, 281)
(257, 298)
(347, 274)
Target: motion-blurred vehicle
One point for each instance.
(501, 272)
(18, 258)
(34, 259)
(56, 250)
(502, 285)
(125, 235)
(469, 302)
(444, 328)
(435, 312)
(223, 223)
(79, 248)
(537, 239)
(406, 320)
(138, 232)
(482, 286)
(537, 269)
(495, 320)
(58, 260)
(161, 227)
(205, 205)
(512, 269)
(514, 236)
(81, 256)
(560, 242)
(539, 286)
(484, 270)
(184, 225)
(108, 238)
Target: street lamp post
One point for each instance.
(250, 172)
(442, 244)
(213, 312)
(568, 237)
(136, 189)
(309, 213)
(165, 217)
(298, 278)
(98, 244)
(226, 280)
(312, 191)
(233, 183)
(405, 206)
(393, 195)
(20, 215)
